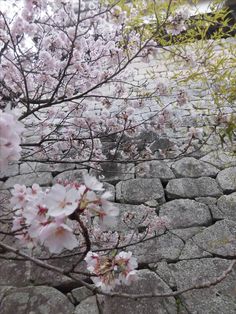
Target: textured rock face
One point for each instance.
(185, 213)
(88, 306)
(42, 178)
(138, 191)
(227, 206)
(191, 188)
(154, 169)
(219, 238)
(147, 282)
(217, 299)
(71, 175)
(37, 300)
(227, 179)
(193, 168)
(164, 247)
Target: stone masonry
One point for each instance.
(197, 196)
(196, 193)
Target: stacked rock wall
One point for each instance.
(197, 195)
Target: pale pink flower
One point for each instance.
(57, 237)
(61, 201)
(92, 183)
(111, 271)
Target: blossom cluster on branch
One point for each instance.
(51, 217)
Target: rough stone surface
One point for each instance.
(154, 169)
(193, 168)
(12, 170)
(35, 300)
(191, 250)
(191, 188)
(42, 178)
(167, 246)
(81, 293)
(29, 167)
(185, 213)
(88, 306)
(71, 175)
(113, 172)
(147, 282)
(218, 299)
(227, 179)
(187, 233)
(219, 238)
(220, 159)
(227, 206)
(14, 273)
(138, 191)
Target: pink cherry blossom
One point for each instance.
(57, 236)
(61, 200)
(111, 270)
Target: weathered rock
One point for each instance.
(193, 168)
(187, 233)
(166, 246)
(80, 294)
(42, 178)
(206, 200)
(138, 191)
(35, 300)
(216, 299)
(227, 206)
(28, 167)
(14, 273)
(192, 188)
(71, 175)
(220, 159)
(191, 250)
(154, 169)
(227, 179)
(219, 238)
(87, 306)
(138, 215)
(10, 171)
(114, 172)
(184, 213)
(147, 282)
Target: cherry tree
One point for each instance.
(65, 79)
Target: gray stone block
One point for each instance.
(87, 306)
(193, 168)
(165, 247)
(139, 191)
(227, 206)
(227, 179)
(42, 178)
(216, 299)
(192, 188)
(154, 169)
(219, 238)
(147, 282)
(71, 175)
(38, 300)
(184, 213)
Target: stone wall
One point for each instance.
(197, 194)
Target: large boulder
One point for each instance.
(147, 282)
(184, 213)
(193, 168)
(227, 179)
(35, 300)
(192, 188)
(139, 191)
